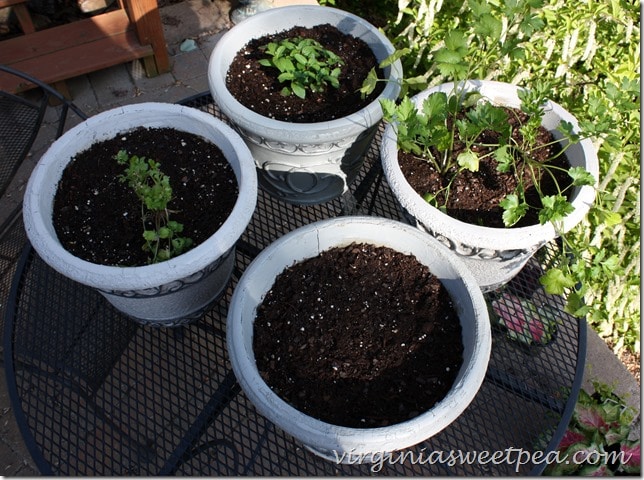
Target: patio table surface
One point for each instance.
(96, 394)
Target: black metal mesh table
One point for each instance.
(96, 394)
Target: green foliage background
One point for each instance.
(591, 49)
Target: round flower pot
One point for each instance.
(494, 255)
(303, 163)
(168, 293)
(339, 443)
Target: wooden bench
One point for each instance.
(22, 14)
(55, 54)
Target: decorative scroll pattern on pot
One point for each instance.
(176, 322)
(291, 181)
(294, 148)
(468, 251)
(174, 286)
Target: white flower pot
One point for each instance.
(303, 163)
(494, 255)
(337, 442)
(170, 292)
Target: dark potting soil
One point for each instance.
(474, 196)
(359, 336)
(98, 218)
(257, 88)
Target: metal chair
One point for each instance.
(21, 119)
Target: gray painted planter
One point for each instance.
(303, 163)
(167, 293)
(331, 441)
(494, 255)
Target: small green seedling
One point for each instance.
(153, 188)
(304, 64)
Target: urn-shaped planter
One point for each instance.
(303, 163)
(171, 292)
(494, 255)
(340, 443)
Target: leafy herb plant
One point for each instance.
(153, 188)
(434, 132)
(304, 64)
(591, 55)
(460, 119)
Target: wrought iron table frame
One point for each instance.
(96, 394)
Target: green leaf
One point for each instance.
(450, 58)
(301, 59)
(513, 209)
(456, 42)
(397, 55)
(388, 109)
(122, 157)
(554, 208)
(298, 90)
(430, 198)
(150, 235)
(406, 110)
(369, 83)
(503, 156)
(608, 217)
(568, 130)
(175, 226)
(164, 232)
(284, 64)
(580, 176)
(487, 116)
(179, 244)
(611, 264)
(419, 82)
(435, 105)
(469, 160)
(555, 281)
(576, 306)
(488, 26)
(479, 8)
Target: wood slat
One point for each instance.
(146, 19)
(8, 3)
(65, 37)
(78, 60)
(85, 46)
(24, 18)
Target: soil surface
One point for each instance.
(98, 218)
(256, 86)
(359, 336)
(474, 196)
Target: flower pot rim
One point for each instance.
(40, 228)
(491, 237)
(377, 231)
(217, 71)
